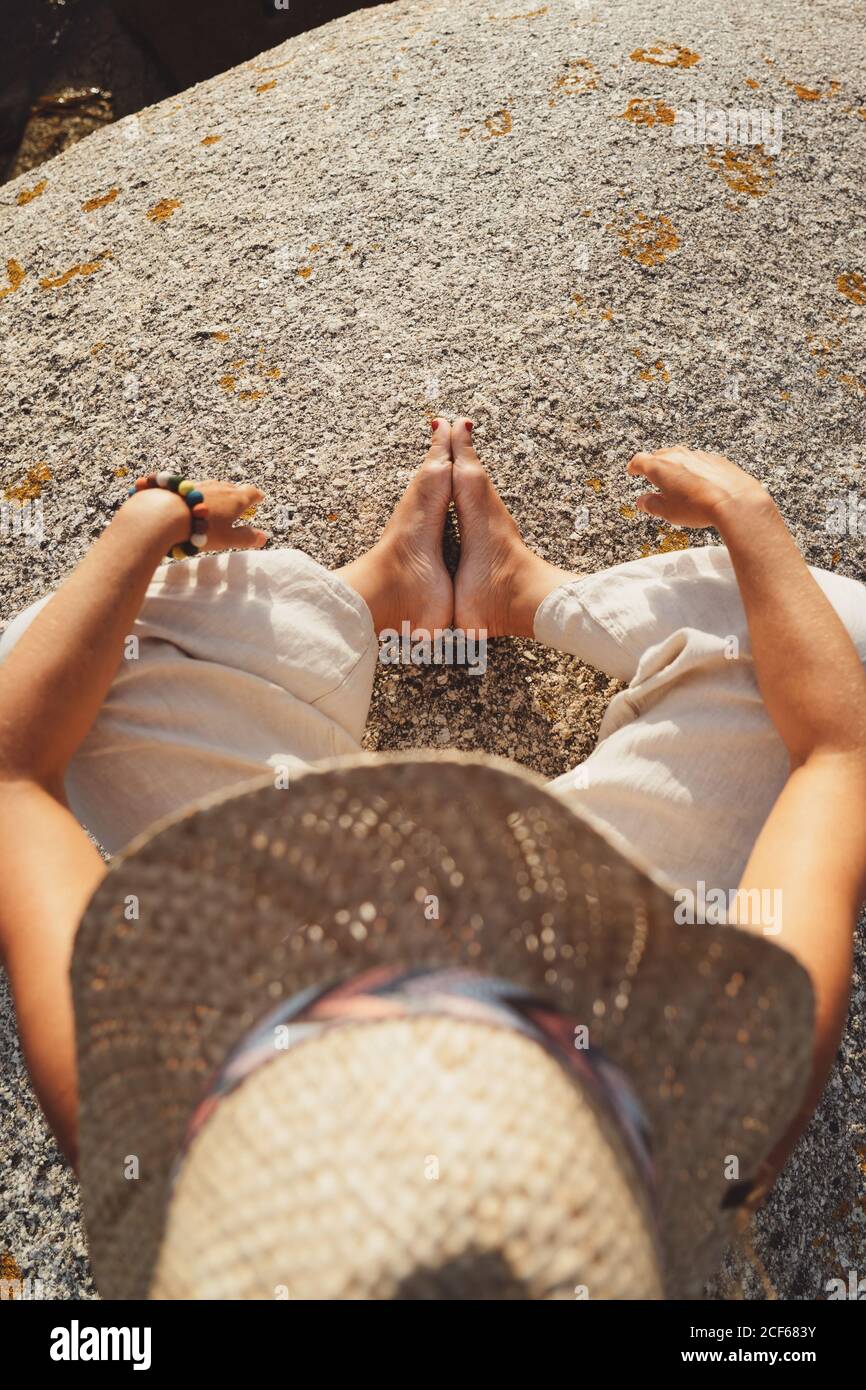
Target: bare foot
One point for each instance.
(403, 577)
(499, 582)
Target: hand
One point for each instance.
(694, 489)
(226, 503)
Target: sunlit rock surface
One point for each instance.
(284, 272)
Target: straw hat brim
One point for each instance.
(215, 914)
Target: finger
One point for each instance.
(247, 538)
(240, 509)
(642, 465)
(250, 493)
(652, 503)
(673, 452)
(244, 494)
(228, 484)
(440, 441)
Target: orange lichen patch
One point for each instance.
(162, 211)
(595, 484)
(818, 343)
(10, 1276)
(220, 337)
(852, 285)
(266, 86)
(275, 67)
(333, 516)
(31, 487)
(646, 240)
(499, 123)
(579, 77)
(28, 194)
(305, 271)
(211, 139)
(785, 395)
(854, 382)
(628, 512)
(607, 314)
(671, 55)
(16, 274)
(121, 472)
(646, 111)
(821, 372)
(666, 542)
(507, 18)
(751, 173)
(97, 347)
(92, 204)
(812, 93)
(658, 372)
(577, 298)
(56, 282)
(230, 381)
(249, 512)
(750, 82)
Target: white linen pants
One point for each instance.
(256, 659)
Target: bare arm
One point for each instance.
(813, 845)
(51, 688)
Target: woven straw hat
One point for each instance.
(312, 1179)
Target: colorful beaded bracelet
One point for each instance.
(193, 499)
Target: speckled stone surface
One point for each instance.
(443, 208)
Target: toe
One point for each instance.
(440, 441)
(462, 449)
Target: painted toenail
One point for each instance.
(434, 424)
(469, 424)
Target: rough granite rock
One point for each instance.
(442, 208)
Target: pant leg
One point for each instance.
(688, 763)
(238, 662)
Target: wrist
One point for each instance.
(160, 514)
(747, 508)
